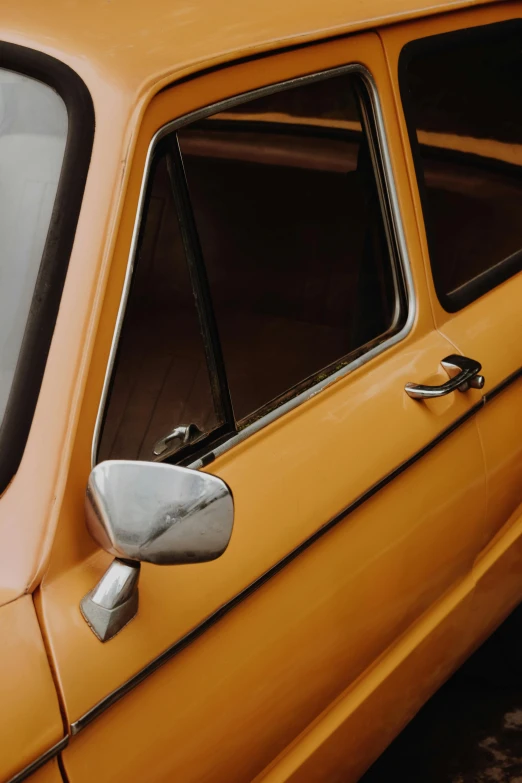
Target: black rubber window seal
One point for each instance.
(25, 388)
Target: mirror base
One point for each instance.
(114, 601)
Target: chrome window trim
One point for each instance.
(388, 192)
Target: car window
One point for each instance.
(33, 131)
(274, 207)
(162, 377)
(462, 96)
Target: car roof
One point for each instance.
(136, 43)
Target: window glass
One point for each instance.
(33, 130)
(161, 378)
(281, 215)
(287, 210)
(463, 99)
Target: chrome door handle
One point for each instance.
(463, 373)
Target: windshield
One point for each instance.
(33, 131)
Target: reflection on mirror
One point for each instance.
(158, 513)
(155, 513)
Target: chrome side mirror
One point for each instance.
(155, 513)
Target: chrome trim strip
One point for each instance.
(490, 395)
(396, 225)
(223, 610)
(39, 762)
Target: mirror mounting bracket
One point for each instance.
(114, 601)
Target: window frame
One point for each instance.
(45, 301)
(222, 439)
(503, 270)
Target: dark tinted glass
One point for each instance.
(292, 235)
(160, 379)
(463, 100)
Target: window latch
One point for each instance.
(180, 436)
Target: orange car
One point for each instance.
(261, 331)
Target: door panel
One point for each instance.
(355, 512)
(276, 510)
(486, 221)
(49, 773)
(344, 740)
(257, 678)
(491, 332)
(30, 720)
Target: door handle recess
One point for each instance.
(463, 374)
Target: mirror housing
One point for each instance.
(149, 512)
(157, 513)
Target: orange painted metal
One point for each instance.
(49, 773)
(126, 53)
(294, 682)
(326, 618)
(488, 329)
(279, 676)
(30, 720)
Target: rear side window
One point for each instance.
(264, 266)
(462, 95)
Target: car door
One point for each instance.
(457, 80)
(270, 306)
